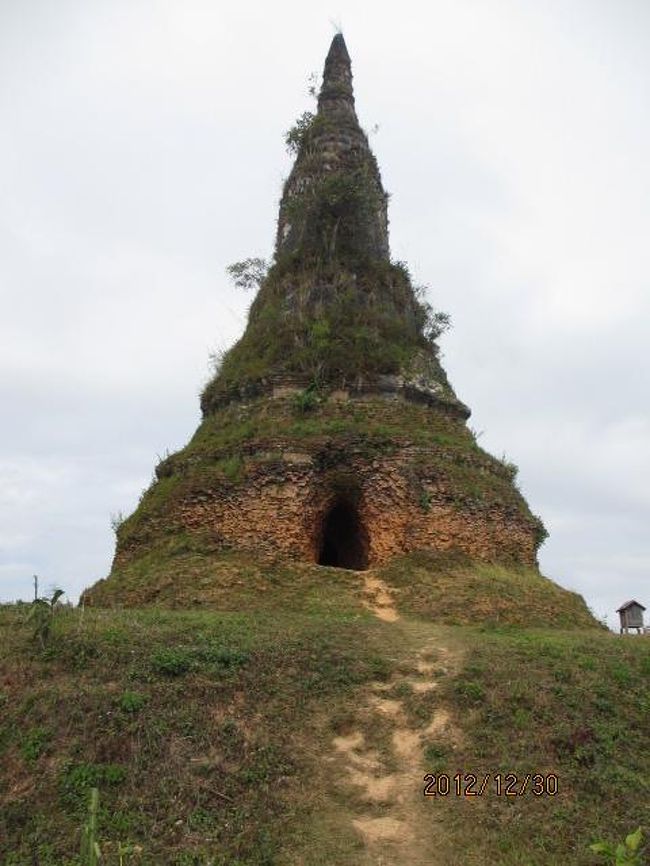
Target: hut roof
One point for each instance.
(629, 604)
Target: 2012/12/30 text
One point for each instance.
(499, 784)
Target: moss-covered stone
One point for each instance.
(330, 434)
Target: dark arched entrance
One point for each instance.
(344, 542)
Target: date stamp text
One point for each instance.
(498, 784)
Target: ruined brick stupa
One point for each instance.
(330, 433)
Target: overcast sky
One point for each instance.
(141, 152)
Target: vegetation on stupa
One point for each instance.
(340, 343)
(333, 309)
(334, 321)
(236, 444)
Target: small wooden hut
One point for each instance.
(631, 615)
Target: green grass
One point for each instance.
(451, 588)
(187, 722)
(184, 572)
(276, 421)
(534, 701)
(206, 731)
(444, 588)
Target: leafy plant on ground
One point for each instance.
(171, 661)
(127, 850)
(34, 743)
(90, 851)
(79, 778)
(131, 702)
(627, 853)
(41, 616)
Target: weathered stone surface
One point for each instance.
(398, 386)
(335, 142)
(333, 308)
(321, 460)
(405, 499)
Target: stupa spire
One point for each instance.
(333, 309)
(336, 93)
(334, 205)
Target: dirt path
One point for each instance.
(378, 598)
(393, 820)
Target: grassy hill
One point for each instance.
(291, 720)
